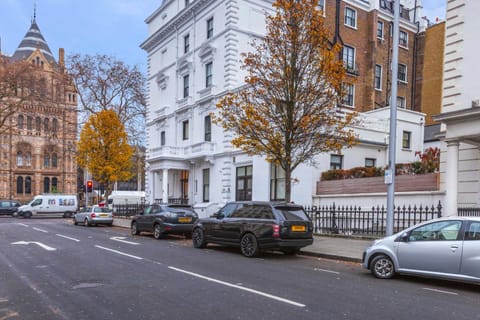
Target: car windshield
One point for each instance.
(293, 213)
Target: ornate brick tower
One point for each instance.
(37, 152)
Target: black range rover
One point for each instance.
(254, 226)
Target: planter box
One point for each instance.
(403, 183)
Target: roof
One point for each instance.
(32, 41)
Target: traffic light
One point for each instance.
(89, 185)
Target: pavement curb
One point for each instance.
(329, 256)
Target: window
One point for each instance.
(54, 125)
(20, 122)
(277, 183)
(54, 160)
(186, 86)
(378, 77)
(28, 158)
(206, 185)
(402, 72)
(401, 102)
(208, 128)
(244, 183)
(28, 185)
(45, 124)
(162, 138)
(186, 43)
(210, 28)
(370, 162)
(336, 162)
(350, 17)
(349, 58)
(54, 184)
(185, 130)
(437, 231)
(187, 3)
(46, 185)
(406, 139)
(20, 185)
(349, 98)
(46, 161)
(38, 124)
(403, 40)
(473, 232)
(208, 74)
(321, 5)
(380, 29)
(19, 159)
(29, 123)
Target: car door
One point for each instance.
(432, 248)
(215, 227)
(471, 250)
(142, 220)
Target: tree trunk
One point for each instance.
(288, 184)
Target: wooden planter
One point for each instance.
(403, 183)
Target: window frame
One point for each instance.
(403, 39)
(209, 25)
(373, 162)
(206, 185)
(208, 74)
(162, 138)
(277, 183)
(350, 21)
(186, 86)
(207, 124)
(378, 77)
(401, 102)
(349, 98)
(186, 43)
(402, 72)
(380, 30)
(185, 130)
(406, 140)
(336, 165)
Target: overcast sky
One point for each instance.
(112, 27)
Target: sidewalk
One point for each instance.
(347, 249)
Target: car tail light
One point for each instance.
(93, 215)
(276, 230)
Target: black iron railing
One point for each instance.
(352, 220)
(469, 212)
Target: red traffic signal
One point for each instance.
(89, 186)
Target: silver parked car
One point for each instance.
(90, 216)
(446, 248)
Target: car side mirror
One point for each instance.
(219, 215)
(404, 237)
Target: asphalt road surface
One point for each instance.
(51, 269)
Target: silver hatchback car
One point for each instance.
(446, 248)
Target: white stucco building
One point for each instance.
(460, 115)
(194, 58)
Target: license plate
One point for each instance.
(298, 228)
(103, 215)
(184, 219)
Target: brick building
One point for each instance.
(37, 150)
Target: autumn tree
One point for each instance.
(288, 110)
(19, 84)
(105, 83)
(103, 149)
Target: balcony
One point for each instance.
(182, 153)
(352, 69)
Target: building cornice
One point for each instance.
(471, 114)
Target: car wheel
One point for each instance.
(134, 229)
(86, 223)
(382, 267)
(249, 245)
(198, 238)
(67, 215)
(27, 215)
(157, 231)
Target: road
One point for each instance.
(51, 269)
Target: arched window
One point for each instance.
(45, 124)
(20, 185)
(38, 124)
(54, 125)
(46, 185)
(54, 184)
(28, 159)
(19, 158)
(29, 123)
(20, 122)
(28, 185)
(46, 160)
(54, 160)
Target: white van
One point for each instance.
(63, 205)
(120, 197)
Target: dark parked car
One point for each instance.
(254, 226)
(165, 218)
(8, 207)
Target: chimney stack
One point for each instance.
(61, 58)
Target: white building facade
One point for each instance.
(194, 59)
(460, 115)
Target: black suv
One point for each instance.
(9, 207)
(165, 218)
(254, 226)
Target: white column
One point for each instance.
(165, 186)
(451, 180)
(153, 185)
